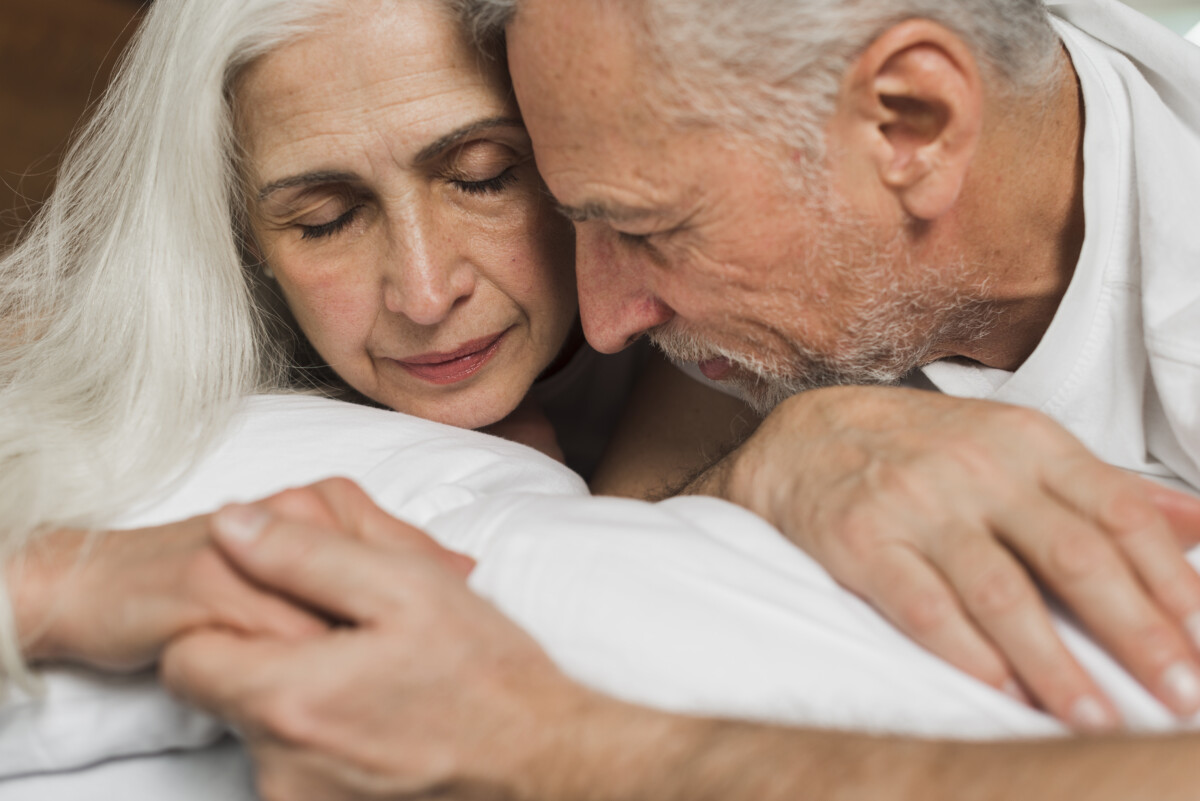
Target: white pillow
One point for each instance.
(692, 604)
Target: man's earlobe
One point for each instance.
(916, 97)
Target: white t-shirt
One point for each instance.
(1119, 365)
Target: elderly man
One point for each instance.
(802, 194)
(795, 195)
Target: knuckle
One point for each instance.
(1157, 646)
(340, 486)
(286, 715)
(976, 461)
(924, 613)
(1127, 515)
(1029, 423)
(861, 535)
(296, 502)
(890, 481)
(998, 591)
(272, 783)
(1179, 593)
(1078, 555)
(293, 495)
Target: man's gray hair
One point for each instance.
(750, 63)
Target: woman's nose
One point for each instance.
(426, 276)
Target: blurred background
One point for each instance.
(56, 57)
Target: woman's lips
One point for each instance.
(457, 365)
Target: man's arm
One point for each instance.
(937, 509)
(427, 690)
(672, 426)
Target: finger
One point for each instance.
(1181, 511)
(352, 580)
(999, 596)
(356, 509)
(1153, 551)
(219, 672)
(1130, 511)
(1082, 565)
(1148, 521)
(343, 505)
(251, 611)
(902, 585)
(285, 772)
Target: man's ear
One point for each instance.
(910, 114)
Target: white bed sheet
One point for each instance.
(692, 605)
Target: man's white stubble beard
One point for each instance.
(895, 315)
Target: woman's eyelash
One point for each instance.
(489, 186)
(330, 228)
(485, 187)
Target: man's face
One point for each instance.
(707, 240)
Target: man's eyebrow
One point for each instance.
(444, 143)
(307, 179)
(599, 210)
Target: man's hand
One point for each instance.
(935, 509)
(425, 688)
(428, 691)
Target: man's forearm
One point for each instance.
(625, 753)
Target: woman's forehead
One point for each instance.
(388, 75)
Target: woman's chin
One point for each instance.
(476, 410)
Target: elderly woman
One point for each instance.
(274, 196)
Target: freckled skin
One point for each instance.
(411, 262)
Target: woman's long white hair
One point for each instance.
(128, 327)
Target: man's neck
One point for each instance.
(1023, 218)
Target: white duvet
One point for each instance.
(691, 605)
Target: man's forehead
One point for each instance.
(579, 80)
(573, 53)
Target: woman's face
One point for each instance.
(393, 194)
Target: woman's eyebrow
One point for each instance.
(443, 143)
(307, 179)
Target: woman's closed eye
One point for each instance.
(330, 228)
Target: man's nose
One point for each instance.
(616, 303)
(425, 275)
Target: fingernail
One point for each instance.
(1181, 683)
(1088, 714)
(240, 523)
(1192, 624)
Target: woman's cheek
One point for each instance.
(330, 301)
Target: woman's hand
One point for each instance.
(113, 600)
(936, 509)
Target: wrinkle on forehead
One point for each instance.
(397, 69)
(577, 65)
